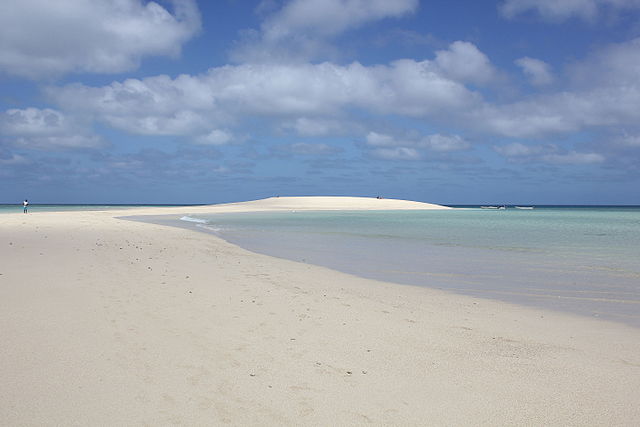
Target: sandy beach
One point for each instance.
(107, 321)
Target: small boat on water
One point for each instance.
(493, 207)
(524, 207)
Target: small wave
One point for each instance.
(191, 219)
(210, 228)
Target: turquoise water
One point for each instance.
(581, 260)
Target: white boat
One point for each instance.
(489, 207)
(524, 207)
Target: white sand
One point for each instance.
(110, 322)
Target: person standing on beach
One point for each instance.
(25, 204)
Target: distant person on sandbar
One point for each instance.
(26, 205)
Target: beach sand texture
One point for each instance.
(106, 321)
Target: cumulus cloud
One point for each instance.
(41, 38)
(306, 126)
(605, 92)
(316, 99)
(463, 61)
(326, 18)
(153, 106)
(517, 149)
(538, 72)
(46, 129)
(380, 140)
(435, 142)
(301, 28)
(413, 147)
(556, 11)
(617, 64)
(215, 137)
(192, 105)
(444, 143)
(396, 153)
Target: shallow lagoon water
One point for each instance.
(580, 260)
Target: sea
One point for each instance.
(579, 259)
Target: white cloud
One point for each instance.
(327, 18)
(192, 105)
(412, 147)
(444, 143)
(605, 92)
(396, 153)
(215, 137)
(317, 149)
(549, 153)
(463, 61)
(560, 10)
(305, 126)
(182, 122)
(153, 106)
(532, 118)
(574, 158)
(628, 140)
(33, 121)
(517, 149)
(302, 28)
(538, 72)
(46, 129)
(317, 99)
(613, 65)
(42, 38)
(375, 139)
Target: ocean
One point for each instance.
(583, 260)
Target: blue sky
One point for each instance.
(444, 101)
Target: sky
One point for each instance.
(442, 101)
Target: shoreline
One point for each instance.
(524, 298)
(106, 320)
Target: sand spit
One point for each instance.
(108, 322)
(332, 203)
(313, 203)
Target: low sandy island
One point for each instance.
(106, 321)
